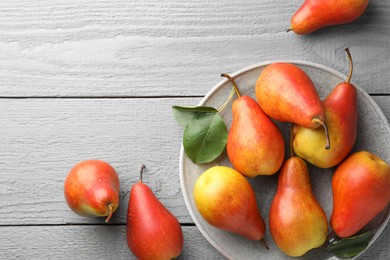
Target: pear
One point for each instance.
(91, 189)
(296, 220)
(255, 145)
(316, 14)
(361, 190)
(341, 119)
(286, 93)
(226, 200)
(153, 233)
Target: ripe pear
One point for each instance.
(297, 221)
(226, 200)
(361, 190)
(341, 119)
(286, 93)
(316, 14)
(153, 233)
(255, 145)
(91, 189)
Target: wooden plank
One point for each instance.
(161, 48)
(87, 242)
(384, 104)
(41, 139)
(104, 242)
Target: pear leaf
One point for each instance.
(350, 246)
(183, 115)
(205, 137)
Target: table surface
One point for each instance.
(97, 79)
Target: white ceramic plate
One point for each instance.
(373, 135)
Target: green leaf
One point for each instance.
(351, 246)
(183, 115)
(205, 137)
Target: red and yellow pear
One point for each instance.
(341, 119)
(316, 14)
(297, 221)
(255, 145)
(287, 94)
(153, 232)
(91, 189)
(226, 200)
(361, 190)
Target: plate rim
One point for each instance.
(245, 70)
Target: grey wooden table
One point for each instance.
(97, 79)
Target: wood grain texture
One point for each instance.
(43, 138)
(162, 48)
(97, 79)
(87, 242)
(109, 242)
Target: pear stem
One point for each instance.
(234, 84)
(141, 172)
(327, 147)
(289, 29)
(263, 243)
(140, 180)
(350, 65)
(110, 208)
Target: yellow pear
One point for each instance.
(226, 200)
